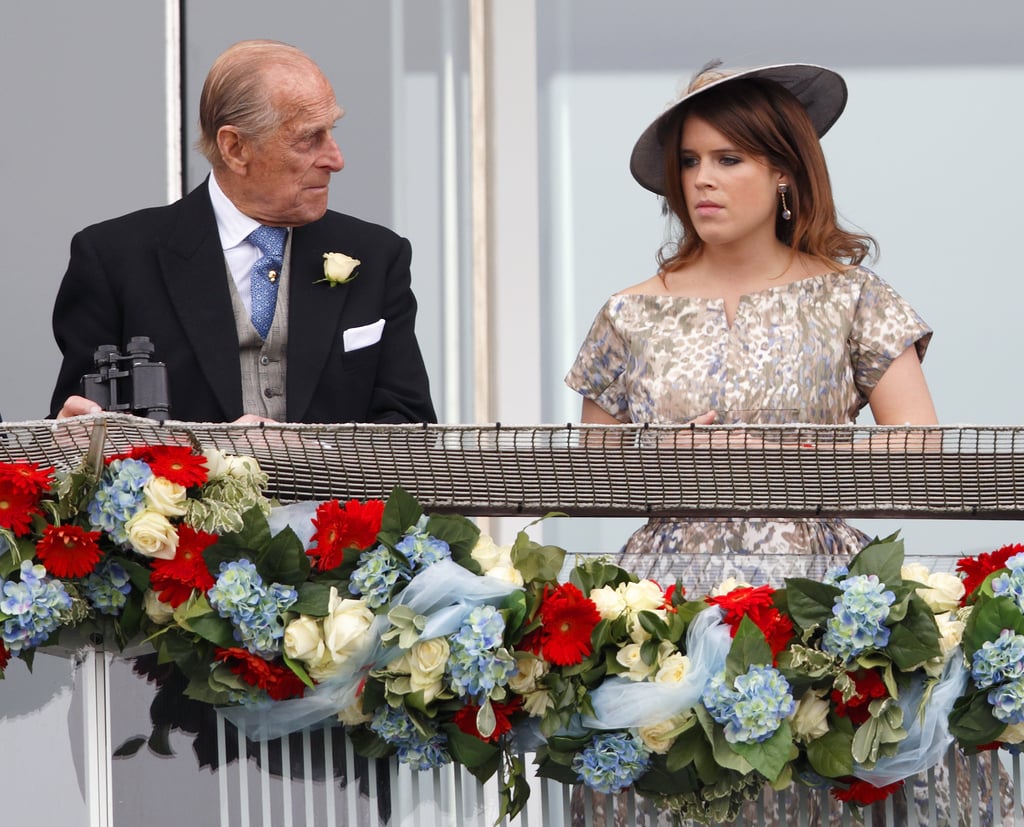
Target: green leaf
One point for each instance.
(283, 560)
(830, 755)
(748, 648)
(314, 598)
(914, 639)
(368, 744)
(214, 628)
(770, 757)
(990, 616)
(479, 757)
(401, 512)
(883, 558)
(810, 602)
(130, 747)
(460, 533)
(972, 722)
(537, 563)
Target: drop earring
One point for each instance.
(786, 214)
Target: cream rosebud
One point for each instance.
(427, 659)
(530, 669)
(165, 497)
(304, 641)
(810, 717)
(152, 535)
(155, 609)
(1013, 734)
(345, 627)
(507, 574)
(609, 602)
(486, 552)
(660, 737)
(339, 268)
(243, 468)
(673, 669)
(645, 596)
(629, 656)
(216, 463)
(943, 590)
(730, 584)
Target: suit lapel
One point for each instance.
(192, 263)
(314, 314)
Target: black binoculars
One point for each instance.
(131, 383)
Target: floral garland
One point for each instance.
(429, 642)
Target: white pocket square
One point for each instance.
(356, 338)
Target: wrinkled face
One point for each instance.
(731, 195)
(288, 173)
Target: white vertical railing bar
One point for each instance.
(996, 788)
(286, 774)
(371, 774)
(398, 130)
(96, 711)
(953, 774)
(172, 96)
(479, 85)
(451, 294)
(243, 780)
(932, 791)
(459, 808)
(265, 780)
(329, 783)
(222, 774)
(1018, 799)
(307, 775)
(351, 791)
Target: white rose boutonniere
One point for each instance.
(339, 268)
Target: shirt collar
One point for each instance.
(232, 224)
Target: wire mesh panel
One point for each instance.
(753, 470)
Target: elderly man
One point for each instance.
(247, 286)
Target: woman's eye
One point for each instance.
(729, 160)
(686, 162)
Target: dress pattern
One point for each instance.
(808, 351)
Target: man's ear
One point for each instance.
(234, 149)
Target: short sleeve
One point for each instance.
(598, 372)
(884, 325)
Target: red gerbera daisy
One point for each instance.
(861, 792)
(16, 510)
(465, 718)
(173, 580)
(340, 527)
(276, 679)
(870, 686)
(568, 619)
(69, 550)
(758, 605)
(976, 569)
(176, 463)
(24, 477)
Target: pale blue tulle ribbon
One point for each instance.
(928, 735)
(445, 594)
(620, 703)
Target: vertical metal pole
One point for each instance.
(99, 790)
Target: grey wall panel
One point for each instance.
(83, 139)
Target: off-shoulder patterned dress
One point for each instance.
(806, 351)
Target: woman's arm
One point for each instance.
(901, 396)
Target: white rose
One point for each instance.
(645, 596)
(165, 497)
(529, 670)
(629, 656)
(660, 737)
(152, 535)
(609, 602)
(339, 268)
(810, 716)
(155, 609)
(507, 574)
(216, 463)
(243, 468)
(486, 553)
(943, 590)
(345, 627)
(1013, 734)
(427, 660)
(303, 640)
(673, 669)
(730, 584)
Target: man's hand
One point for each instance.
(78, 406)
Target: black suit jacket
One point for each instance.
(160, 273)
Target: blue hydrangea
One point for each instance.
(859, 615)
(118, 497)
(998, 661)
(375, 576)
(1008, 702)
(753, 707)
(1010, 584)
(612, 761)
(420, 549)
(418, 750)
(254, 610)
(108, 587)
(30, 609)
(477, 662)
(835, 574)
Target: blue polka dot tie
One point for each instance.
(264, 275)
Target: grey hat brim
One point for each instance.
(822, 92)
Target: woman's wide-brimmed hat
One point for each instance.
(820, 90)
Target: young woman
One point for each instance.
(760, 311)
